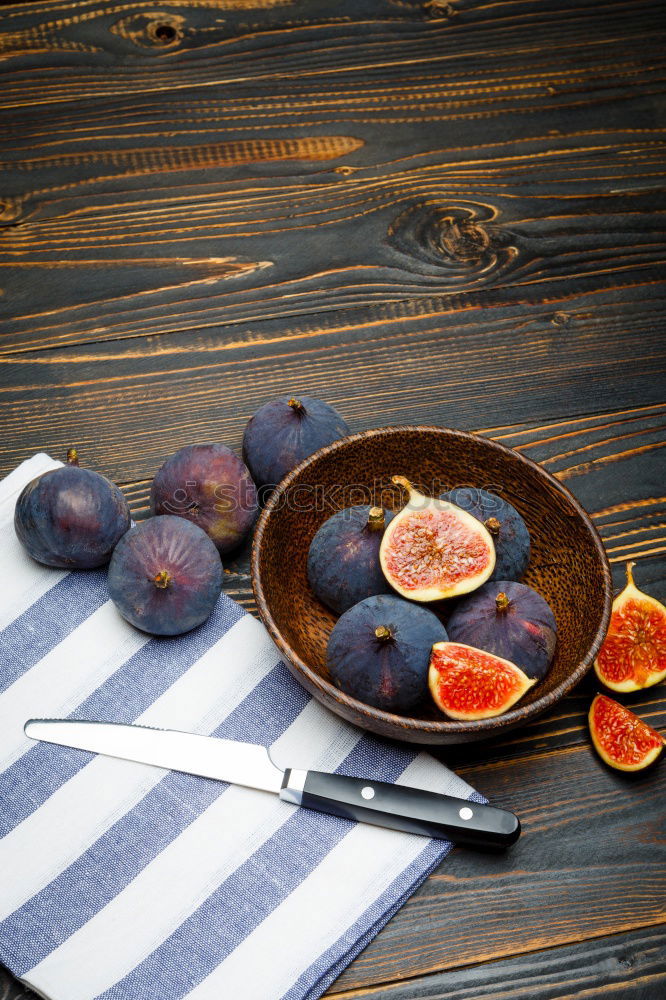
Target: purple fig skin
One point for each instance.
(509, 532)
(210, 486)
(71, 518)
(165, 575)
(388, 671)
(524, 631)
(279, 436)
(343, 559)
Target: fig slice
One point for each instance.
(434, 549)
(633, 654)
(620, 738)
(468, 683)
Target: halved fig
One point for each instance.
(433, 549)
(620, 738)
(633, 654)
(468, 683)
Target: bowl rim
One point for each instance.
(519, 714)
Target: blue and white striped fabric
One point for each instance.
(123, 881)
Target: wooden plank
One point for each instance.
(233, 42)
(400, 180)
(94, 268)
(128, 405)
(625, 967)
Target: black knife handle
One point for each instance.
(398, 807)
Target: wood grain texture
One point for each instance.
(423, 240)
(127, 405)
(630, 966)
(424, 212)
(373, 153)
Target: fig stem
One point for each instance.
(376, 519)
(383, 632)
(502, 601)
(493, 525)
(162, 579)
(296, 405)
(401, 481)
(630, 576)
(72, 456)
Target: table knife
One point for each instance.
(398, 807)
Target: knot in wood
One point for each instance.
(464, 240)
(460, 242)
(561, 319)
(152, 30)
(439, 10)
(10, 209)
(162, 32)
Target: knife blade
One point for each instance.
(398, 807)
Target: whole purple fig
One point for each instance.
(210, 486)
(284, 432)
(165, 575)
(71, 518)
(343, 559)
(379, 651)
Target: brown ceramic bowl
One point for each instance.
(568, 565)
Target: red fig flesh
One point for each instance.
(633, 654)
(433, 549)
(468, 683)
(620, 738)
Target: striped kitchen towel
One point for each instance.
(127, 882)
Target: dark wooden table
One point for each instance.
(430, 212)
